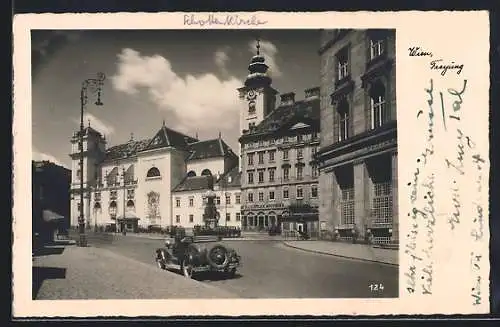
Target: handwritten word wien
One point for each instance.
(422, 214)
(437, 64)
(225, 20)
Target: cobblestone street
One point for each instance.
(117, 266)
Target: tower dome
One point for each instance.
(258, 70)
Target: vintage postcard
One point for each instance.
(251, 164)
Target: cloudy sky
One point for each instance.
(187, 78)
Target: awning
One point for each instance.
(51, 216)
(129, 216)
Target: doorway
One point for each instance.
(300, 227)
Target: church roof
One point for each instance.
(231, 178)
(284, 117)
(167, 137)
(193, 183)
(209, 149)
(125, 150)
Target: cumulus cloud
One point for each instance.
(221, 58)
(40, 156)
(97, 124)
(270, 52)
(202, 101)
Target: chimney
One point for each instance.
(287, 98)
(312, 93)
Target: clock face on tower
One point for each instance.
(251, 95)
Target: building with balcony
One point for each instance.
(137, 183)
(358, 154)
(279, 179)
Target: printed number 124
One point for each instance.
(376, 287)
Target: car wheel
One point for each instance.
(187, 270)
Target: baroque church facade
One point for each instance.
(142, 183)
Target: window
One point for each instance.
(178, 202)
(79, 207)
(217, 200)
(285, 154)
(130, 194)
(250, 197)
(300, 193)
(271, 174)
(314, 191)
(285, 193)
(261, 196)
(228, 216)
(378, 107)
(251, 126)
(286, 139)
(343, 112)
(250, 178)
(271, 155)
(376, 47)
(300, 171)
(191, 201)
(177, 219)
(314, 150)
(261, 176)
(271, 195)
(238, 199)
(153, 172)
(97, 196)
(113, 195)
(261, 158)
(300, 138)
(78, 173)
(342, 64)
(228, 199)
(206, 172)
(299, 153)
(250, 159)
(238, 216)
(314, 135)
(314, 169)
(272, 141)
(191, 218)
(204, 200)
(286, 173)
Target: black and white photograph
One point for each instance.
(173, 164)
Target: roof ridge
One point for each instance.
(164, 129)
(221, 147)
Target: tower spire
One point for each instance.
(258, 46)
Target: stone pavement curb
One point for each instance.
(223, 239)
(339, 255)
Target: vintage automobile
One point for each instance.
(197, 254)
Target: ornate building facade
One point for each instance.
(137, 183)
(279, 179)
(358, 154)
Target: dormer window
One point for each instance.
(343, 64)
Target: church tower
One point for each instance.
(258, 97)
(94, 147)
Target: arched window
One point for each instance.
(153, 172)
(343, 112)
(112, 209)
(378, 108)
(191, 174)
(130, 204)
(206, 172)
(97, 206)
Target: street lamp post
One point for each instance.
(95, 86)
(124, 201)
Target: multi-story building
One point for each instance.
(190, 201)
(279, 179)
(137, 183)
(50, 198)
(358, 154)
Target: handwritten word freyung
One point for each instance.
(438, 65)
